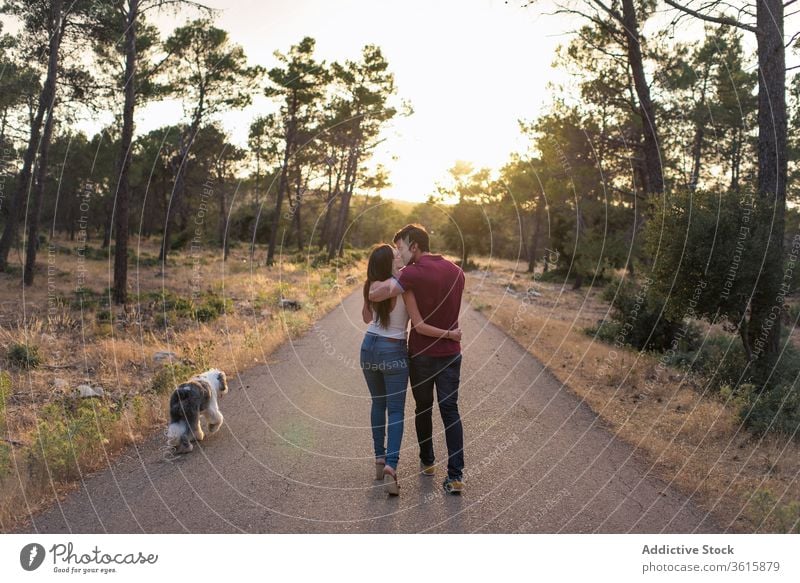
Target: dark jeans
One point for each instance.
(445, 374)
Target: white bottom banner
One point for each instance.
(355, 558)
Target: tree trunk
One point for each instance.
(699, 132)
(108, 225)
(121, 211)
(3, 128)
(35, 210)
(257, 206)
(298, 226)
(326, 223)
(57, 33)
(697, 150)
(45, 101)
(736, 159)
(223, 221)
(655, 177)
(533, 249)
(336, 242)
(330, 204)
(767, 301)
(178, 188)
(283, 183)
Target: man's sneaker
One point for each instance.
(427, 470)
(453, 485)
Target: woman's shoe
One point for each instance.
(380, 463)
(390, 485)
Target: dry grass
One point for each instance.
(692, 439)
(88, 341)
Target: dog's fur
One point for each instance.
(196, 398)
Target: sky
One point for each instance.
(469, 69)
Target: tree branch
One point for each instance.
(162, 3)
(717, 19)
(613, 13)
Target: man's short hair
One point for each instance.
(414, 233)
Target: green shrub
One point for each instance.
(97, 254)
(606, 331)
(139, 407)
(5, 460)
(212, 307)
(348, 258)
(5, 392)
(279, 292)
(557, 275)
(71, 432)
(783, 518)
(143, 259)
(720, 359)
(88, 299)
(773, 409)
(319, 259)
(181, 240)
(170, 302)
(5, 449)
(169, 376)
(261, 301)
(23, 355)
(299, 258)
(470, 265)
(201, 354)
(207, 307)
(637, 320)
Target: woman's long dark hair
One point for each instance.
(379, 268)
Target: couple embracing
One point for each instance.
(408, 282)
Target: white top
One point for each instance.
(398, 322)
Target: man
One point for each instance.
(438, 286)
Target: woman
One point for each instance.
(384, 360)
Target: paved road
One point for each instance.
(295, 456)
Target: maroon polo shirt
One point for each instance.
(438, 285)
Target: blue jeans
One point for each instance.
(445, 373)
(385, 366)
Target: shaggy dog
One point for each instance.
(189, 401)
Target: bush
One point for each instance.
(171, 302)
(5, 449)
(212, 307)
(70, 432)
(208, 307)
(773, 409)
(637, 320)
(5, 460)
(169, 376)
(5, 391)
(348, 258)
(181, 240)
(88, 299)
(785, 517)
(23, 355)
(720, 359)
(775, 405)
(470, 265)
(558, 275)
